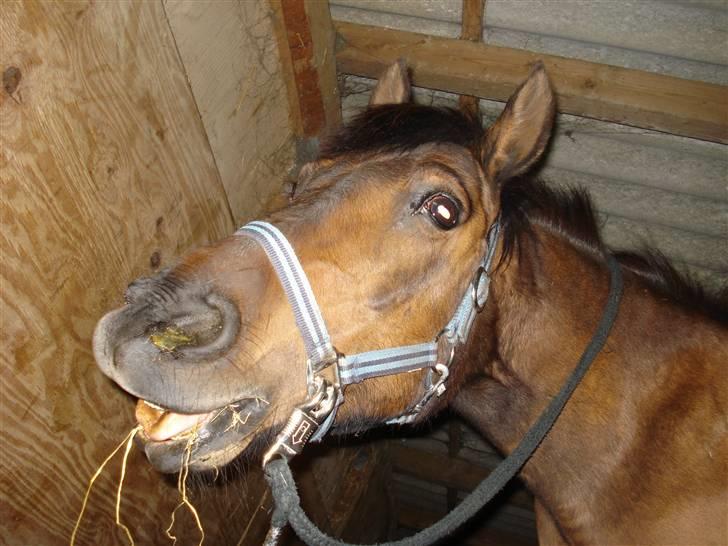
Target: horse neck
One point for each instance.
(545, 305)
(660, 363)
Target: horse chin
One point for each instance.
(215, 438)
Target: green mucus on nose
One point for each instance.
(171, 338)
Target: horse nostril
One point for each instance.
(201, 328)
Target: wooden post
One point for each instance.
(472, 29)
(306, 42)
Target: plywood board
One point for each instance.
(106, 175)
(230, 55)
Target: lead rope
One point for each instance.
(288, 505)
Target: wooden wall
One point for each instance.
(107, 174)
(130, 132)
(231, 57)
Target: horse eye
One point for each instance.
(443, 210)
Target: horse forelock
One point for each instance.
(404, 127)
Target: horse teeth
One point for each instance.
(154, 406)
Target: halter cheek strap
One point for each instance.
(349, 369)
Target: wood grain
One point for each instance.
(471, 29)
(448, 471)
(230, 56)
(107, 174)
(418, 519)
(306, 40)
(351, 482)
(323, 36)
(626, 96)
(104, 165)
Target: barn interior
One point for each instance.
(131, 132)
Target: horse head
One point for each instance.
(389, 225)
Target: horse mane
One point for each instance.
(570, 212)
(398, 128)
(681, 287)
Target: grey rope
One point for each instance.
(288, 507)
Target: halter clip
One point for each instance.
(303, 423)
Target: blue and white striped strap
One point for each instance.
(458, 329)
(408, 358)
(352, 368)
(358, 367)
(297, 289)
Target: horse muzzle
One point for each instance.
(174, 354)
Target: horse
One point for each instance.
(389, 224)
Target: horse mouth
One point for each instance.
(203, 441)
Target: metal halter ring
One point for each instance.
(474, 293)
(451, 356)
(314, 372)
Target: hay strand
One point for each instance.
(182, 488)
(121, 484)
(128, 442)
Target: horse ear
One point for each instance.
(519, 136)
(393, 86)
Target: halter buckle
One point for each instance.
(304, 422)
(436, 388)
(439, 386)
(445, 336)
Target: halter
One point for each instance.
(313, 419)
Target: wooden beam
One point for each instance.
(323, 35)
(454, 428)
(443, 470)
(474, 534)
(609, 93)
(472, 20)
(306, 40)
(472, 29)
